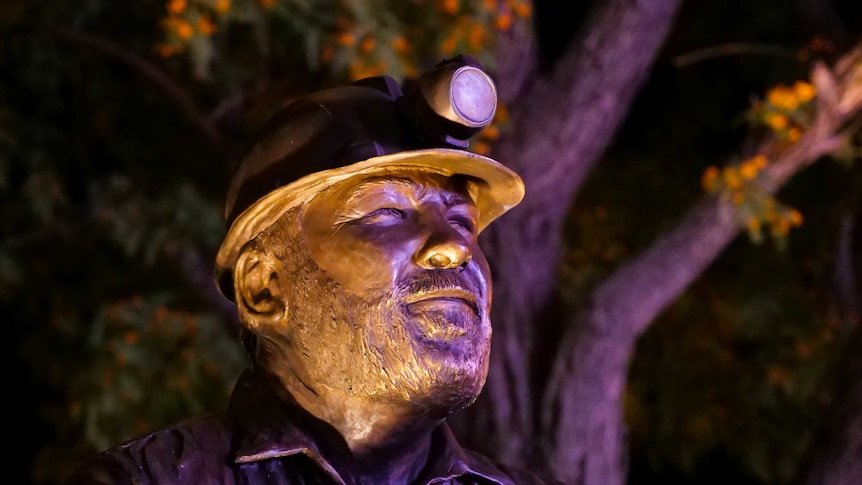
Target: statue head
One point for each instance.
(352, 250)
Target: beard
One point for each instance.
(371, 346)
(436, 356)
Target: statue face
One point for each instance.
(394, 300)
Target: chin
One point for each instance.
(448, 380)
(449, 366)
(440, 402)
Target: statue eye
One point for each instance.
(463, 223)
(384, 215)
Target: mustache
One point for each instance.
(438, 280)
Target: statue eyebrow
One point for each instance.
(407, 188)
(401, 186)
(457, 199)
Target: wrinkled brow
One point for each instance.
(376, 186)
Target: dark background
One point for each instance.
(82, 133)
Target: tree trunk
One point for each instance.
(582, 414)
(562, 124)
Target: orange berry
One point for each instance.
(731, 178)
(222, 6)
(448, 46)
(748, 170)
(167, 50)
(710, 175)
(795, 217)
(476, 37)
(753, 224)
(776, 121)
(450, 6)
(184, 30)
(502, 114)
(503, 21)
(326, 53)
(367, 44)
(131, 337)
(491, 132)
(783, 98)
(205, 26)
(176, 7)
(345, 38)
(804, 91)
(794, 134)
(400, 45)
(522, 9)
(481, 148)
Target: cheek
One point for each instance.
(361, 264)
(484, 271)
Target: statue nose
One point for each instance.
(445, 261)
(444, 250)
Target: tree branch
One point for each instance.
(582, 410)
(736, 48)
(150, 72)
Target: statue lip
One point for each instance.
(454, 293)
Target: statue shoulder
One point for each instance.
(179, 454)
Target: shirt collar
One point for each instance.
(267, 427)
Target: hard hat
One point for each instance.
(371, 126)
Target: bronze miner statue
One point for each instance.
(351, 254)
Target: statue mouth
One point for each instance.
(452, 298)
(443, 315)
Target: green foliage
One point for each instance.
(348, 39)
(728, 370)
(143, 225)
(152, 364)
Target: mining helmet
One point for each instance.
(371, 126)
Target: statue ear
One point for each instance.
(259, 293)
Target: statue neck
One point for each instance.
(389, 442)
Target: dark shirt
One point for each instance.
(261, 440)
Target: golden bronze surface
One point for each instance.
(372, 303)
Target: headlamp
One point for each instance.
(452, 102)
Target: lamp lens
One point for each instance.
(473, 96)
